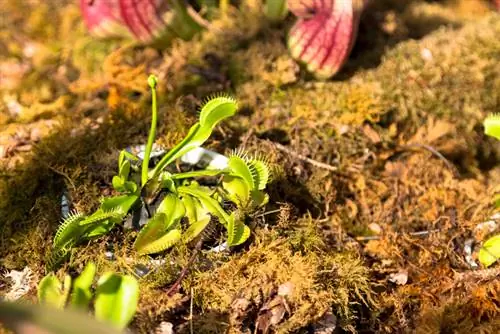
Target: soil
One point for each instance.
(381, 176)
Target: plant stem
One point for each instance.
(223, 6)
(152, 80)
(182, 23)
(175, 287)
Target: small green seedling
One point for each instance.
(187, 206)
(115, 299)
(490, 251)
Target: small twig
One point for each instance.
(175, 287)
(198, 19)
(431, 149)
(63, 174)
(413, 234)
(246, 137)
(305, 159)
(191, 313)
(478, 275)
(267, 213)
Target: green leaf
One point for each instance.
(101, 227)
(240, 168)
(156, 236)
(45, 319)
(197, 173)
(130, 186)
(260, 173)
(124, 154)
(69, 231)
(100, 216)
(112, 211)
(213, 112)
(167, 182)
(217, 109)
(237, 190)
(490, 252)
(208, 202)
(121, 204)
(81, 295)
(116, 299)
(492, 125)
(237, 232)
(161, 244)
(189, 204)
(259, 198)
(118, 183)
(195, 229)
(124, 170)
(153, 230)
(173, 207)
(190, 142)
(52, 292)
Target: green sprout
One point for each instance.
(187, 205)
(115, 299)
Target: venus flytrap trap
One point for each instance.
(179, 205)
(115, 299)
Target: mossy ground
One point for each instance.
(421, 78)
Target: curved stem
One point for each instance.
(223, 6)
(152, 132)
(182, 23)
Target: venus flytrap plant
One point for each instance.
(115, 299)
(185, 201)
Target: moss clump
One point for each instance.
(320, 282)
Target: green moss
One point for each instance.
(319, 280)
